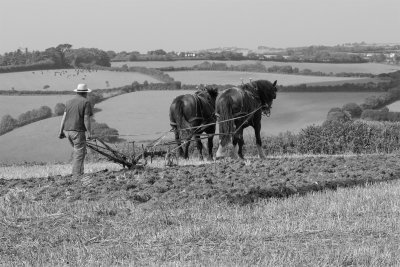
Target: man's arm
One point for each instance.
(61, 134)
(88, 126)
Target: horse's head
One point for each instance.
(212, 91)
(267, 93)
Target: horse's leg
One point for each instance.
(210, 131)
(220, 152)
(199, 146)
(235, 141)
(178, 142)
(257, 130)
(240, 143)
(187, 144)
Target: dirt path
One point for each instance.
(230, 181)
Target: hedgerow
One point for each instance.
(333, 137)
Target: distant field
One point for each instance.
(15, 105)
(131, 113)
(36, 142)
(395, 107)
(67, 79)
(145, 115)
(233, 77)
(374, 68)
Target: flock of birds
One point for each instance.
(76, 73)
(70, 74)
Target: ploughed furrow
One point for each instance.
(230, 181)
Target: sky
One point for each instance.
(190, 25)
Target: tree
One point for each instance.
(92, 56)
(59, 109)
(62, 49)
(7, 124)
(111, 54)
(158, 52)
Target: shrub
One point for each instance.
(94, 98)
(7, 124)
(59, 109)
(335, 110)
(34, 115)
(375, 115)
(333, 137)
(340, 116)
(103, 131)
(354, 109)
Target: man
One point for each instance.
(75, 122)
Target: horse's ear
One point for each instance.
(274, 84)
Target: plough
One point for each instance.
(131, 161)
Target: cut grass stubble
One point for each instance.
(358, 226)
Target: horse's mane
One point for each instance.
(211, 90)
(251, 99)
(257, 90)
(250, 88)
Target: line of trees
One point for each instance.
(8, 123)
(61, 56)
(259, 67)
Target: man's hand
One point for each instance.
(89, 136)
(61, 135)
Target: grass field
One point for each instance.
(67, 79)
(15, 105)
(395, 107)
(374, 68)
(356, 226)
(233, 77)
(131, 114)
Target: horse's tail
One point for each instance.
(181, 121)
(225, 119)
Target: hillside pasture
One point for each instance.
(144, 116)
(374, 68)
(233, 77)
(132, 114)
(394, 107)
(16, 105)
(35, 142)
(67, 79)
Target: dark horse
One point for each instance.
(240, 107)
(192, 111)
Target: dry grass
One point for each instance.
(349, 227)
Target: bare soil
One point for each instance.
(231, 181)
